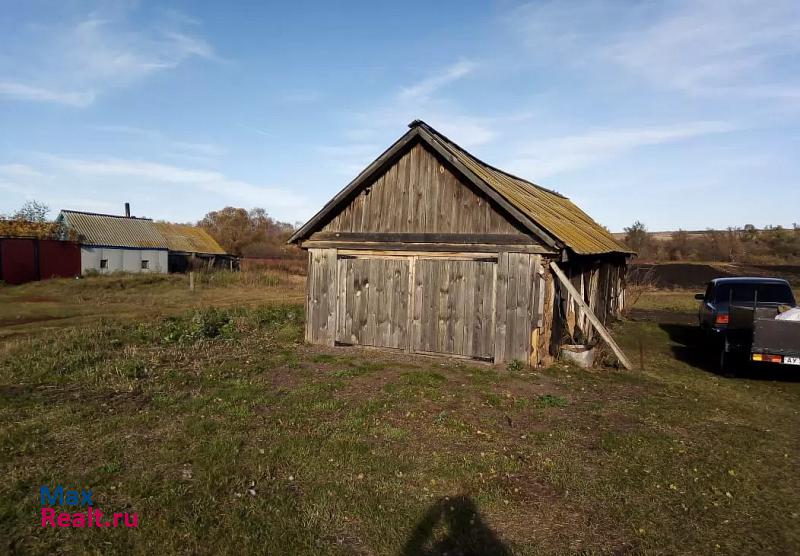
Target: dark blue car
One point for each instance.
(714, 313)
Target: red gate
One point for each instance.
(28, 259)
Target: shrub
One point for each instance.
(203, 324)
(515, 366)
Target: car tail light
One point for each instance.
(722, 318)
(767, 358)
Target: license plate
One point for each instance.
(791, 360)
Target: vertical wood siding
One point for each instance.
(373, 302)
(465, 307)
(517, 305)
(321, 296)
(452, 308)
(419, 194)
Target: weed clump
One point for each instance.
(279, 315)
(550, 400)
(202, 325)
(515, 366)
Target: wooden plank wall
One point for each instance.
(321, 296)
(516, 305)
(373, 302)
(602, 283)
(420, 194)
(461, 306)
(452, 307)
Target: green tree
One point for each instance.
(638, 239)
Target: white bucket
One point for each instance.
(581, 355)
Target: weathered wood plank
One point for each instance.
(446, 308)
(321, 304)
(512, 334)
(424, 247)
(501, 308)
(595, 321)
(309, 285)
(415, 237)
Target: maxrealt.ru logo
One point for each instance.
(78, 499)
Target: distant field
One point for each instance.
(205, 413)
(696, 275)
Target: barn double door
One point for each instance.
(422, 305)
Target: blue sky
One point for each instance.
(677, 113)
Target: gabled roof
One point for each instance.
(114, 231)
(120, 231)
(189, 239)
(548, 215)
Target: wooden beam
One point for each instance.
(591, 316)
(366, 253)
(423, 247)
(502, 239)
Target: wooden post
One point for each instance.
(591, 316)
(534, 360)
(191, 280)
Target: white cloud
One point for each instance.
(16, 170)
(701, 47)
(190, 150)
(545, 158)
(73, 63)
(21, 91)
(444, 77)
(712, 46)
(206, 180)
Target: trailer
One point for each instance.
(754, 334)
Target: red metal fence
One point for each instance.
(27, 259)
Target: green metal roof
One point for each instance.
(114, 231)
(120, 231)
(189, 239)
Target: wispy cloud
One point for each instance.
(440, 79)
(545, 158)
(73, 63)
(700, 47)
(712, 46)
(21, 91)
(16, 170)
(191, 150)
(205, 180)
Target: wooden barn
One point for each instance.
(430, 250)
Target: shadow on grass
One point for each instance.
(695, 349)
(453, 526)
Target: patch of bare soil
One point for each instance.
(697, 275)
(28, 320)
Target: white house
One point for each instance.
(112, 243)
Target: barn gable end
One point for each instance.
(418, 193)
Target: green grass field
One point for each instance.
(204, 413)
